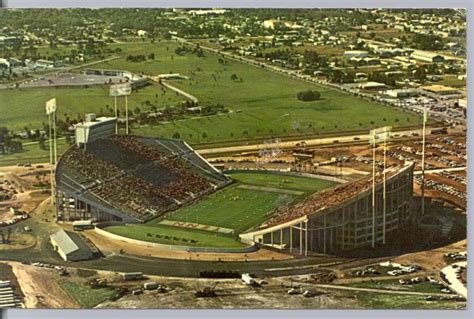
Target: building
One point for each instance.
(441, 90)
(356, 54)
(94, 128)
(402, 93)
(70, 246)
(50, 64)
(372, 86)
(341, 218)
(427, 57)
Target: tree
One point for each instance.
(176, 135)
(41, 142)
(234, 77)
(309, 95)
(204, 135)
(151, 56)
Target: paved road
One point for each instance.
(179, 91)
(440, 170)
(456, 285)
(62, 70)
(292, 144)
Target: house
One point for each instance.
(71, 246)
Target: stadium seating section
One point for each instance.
(141, 177)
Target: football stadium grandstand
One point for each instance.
(131, 178)
(342, 217)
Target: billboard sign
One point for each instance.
(381, 134)
(51, 106)
(120, 89)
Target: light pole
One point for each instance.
(425, 117)
(51, 112)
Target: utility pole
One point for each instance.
(373, 191)
(425, 117)
(126, 114)
(384, 189)
(116, 114)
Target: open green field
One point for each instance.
(263, 104)
(373, 300)
(393, 284)
(175, 236)
(31, 153)
(84, 295)
(26, 107)
(232, 207)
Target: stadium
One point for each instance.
(160, 191)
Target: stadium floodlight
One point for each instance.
(425, 119)
(379, 135)
(122, 89)
(51, 106)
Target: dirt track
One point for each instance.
(107, 245)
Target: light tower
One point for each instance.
(51, 112)
(378, 135)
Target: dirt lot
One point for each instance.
(432, 259)
(28, 187)
(231, 293)
(40, 287)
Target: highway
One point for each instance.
(292, 144)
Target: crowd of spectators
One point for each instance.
(134, 177)
(322, 199)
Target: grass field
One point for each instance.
(175, 236)
(305, 184)
(26, 107)
(31, 154)
(372, 300)
(424, 286)
(263, 104)
(231, 207)
(86, 296)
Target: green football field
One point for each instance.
(232, 207)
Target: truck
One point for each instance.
(132, 276)
(248, 280)
(82, 224)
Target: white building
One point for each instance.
(94, 128)
(401, 93)
(70, 246)
(356, 54)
